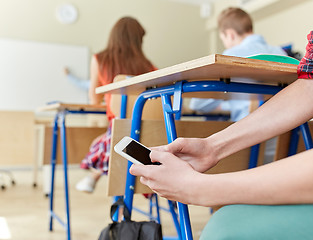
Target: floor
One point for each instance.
(24, 210)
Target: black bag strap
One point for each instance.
(120, 203)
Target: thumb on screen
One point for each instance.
(159, 156)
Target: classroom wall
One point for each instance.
(290, 25)
(282, 22)
(175, 31)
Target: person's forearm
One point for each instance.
(286, 110)
(82, 84)
(94, 82)
(288, 181)
(95, 99)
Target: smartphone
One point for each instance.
(134, 151)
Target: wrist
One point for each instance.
(195, 196)
(204, 190)
(216, 145)
(227, 142)
(212, 190)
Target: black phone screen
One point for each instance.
(138, 152)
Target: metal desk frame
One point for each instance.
(170, 110)
(60, 117)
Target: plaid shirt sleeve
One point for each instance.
(305, 68)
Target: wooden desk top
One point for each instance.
(213, 67)
(74, 107)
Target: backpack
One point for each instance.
(130, 230)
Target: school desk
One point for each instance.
(63, 109)
(214, 76)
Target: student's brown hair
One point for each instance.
(235, 18)
(123, 54)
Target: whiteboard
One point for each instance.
(32, 73)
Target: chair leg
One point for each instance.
(46, 181)
(2, 182)
(11, 177)
(38, 150)
(2, 178)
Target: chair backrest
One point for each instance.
(153, 134)
(152, 109)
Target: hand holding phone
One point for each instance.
(134, 151)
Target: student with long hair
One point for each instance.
(123, 55)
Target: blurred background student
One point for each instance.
(80, 83)
(123, 55)
(236, 32)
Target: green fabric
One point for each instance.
(258, 222)
(275, 58)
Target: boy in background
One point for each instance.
(236, 32)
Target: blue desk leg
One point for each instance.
(130, 180)
(175, 218)
(185, 226)
(307, 138)
(254, 155)
(254, 152)
(151, 205)
(157, 207)
(294, 140)
(153, 202)
(64, 158)
(135, 134)
(115, 215)
(123, 106)
(53, 163)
